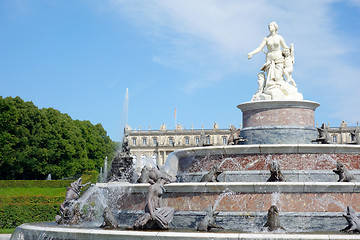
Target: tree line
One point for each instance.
(36, 142)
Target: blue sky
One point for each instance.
(79, 57)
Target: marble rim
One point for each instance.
(277, 104)
(268, 149)
(243, 187)
(83, 233)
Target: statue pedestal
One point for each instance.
(278, 122)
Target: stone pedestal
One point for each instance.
(278, 122)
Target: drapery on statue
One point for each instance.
(156, 216)
(279, 63)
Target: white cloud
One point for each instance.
(212, 37)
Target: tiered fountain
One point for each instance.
(279, 129)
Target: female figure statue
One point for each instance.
(278, 64)
(156, 216)
(274, 59)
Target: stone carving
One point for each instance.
(278, 63)
(109, 219)
(151, 174)
(212, 175)
(276, 174)
(273, 221)
(122, 164)
(148, 175)
(323, 135)
(355, 137)
(75, 216)
(209, 221)
(234, 137)
(156, 216)
(261, 86)
(344, 175)
(289, 61)
(203, 140)
(352, 220)
(69, 209)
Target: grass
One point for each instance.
(10, 192)
(7, 231)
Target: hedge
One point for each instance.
(16, 210)
(89, 176)
(12, 216)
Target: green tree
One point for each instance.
(35, 142)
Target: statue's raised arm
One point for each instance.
(258, 49)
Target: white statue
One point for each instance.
(261, 83)
(289, 58)
(277, 65)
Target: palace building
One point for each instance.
(343, 134)
(158, 144)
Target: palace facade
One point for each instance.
(158, 144)
(342, 134)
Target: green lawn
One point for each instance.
(7, 231)
(30, 201)
(10, 192)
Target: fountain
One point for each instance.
(275, 183)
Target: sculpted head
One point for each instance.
(286, 52)
(273, 27)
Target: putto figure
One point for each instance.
(279, 62)
(289, 58)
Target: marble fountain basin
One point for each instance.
(310, 208)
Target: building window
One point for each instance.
(155, 141)
(334, 138)
(144, 141)
(134, 141)
(187, 141)
(224, 140)
(208, 140)
(197, 140)
(171, 141)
